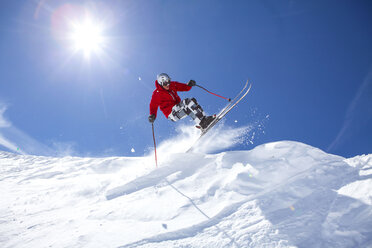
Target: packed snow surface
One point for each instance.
(283, 194)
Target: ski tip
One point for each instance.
(229, 99)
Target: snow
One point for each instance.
(281, 194)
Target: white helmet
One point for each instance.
(163, 79)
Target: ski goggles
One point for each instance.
(166, 83)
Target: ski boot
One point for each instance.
(206, 121)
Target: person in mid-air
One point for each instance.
(165, 96)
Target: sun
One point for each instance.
(87, 36)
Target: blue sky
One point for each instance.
(310, 63)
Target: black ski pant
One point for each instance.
(187, 107)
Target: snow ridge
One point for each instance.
(282, 194)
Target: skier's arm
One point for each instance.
(154, 104)
(181, 87)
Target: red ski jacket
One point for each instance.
(166, 99)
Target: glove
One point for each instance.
(191, 83)
(152, 118)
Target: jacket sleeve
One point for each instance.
(181, 87)
(154, 104)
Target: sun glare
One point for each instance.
(87, 36)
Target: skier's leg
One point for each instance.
(178, 112)
(197, 113)
(191, 108)
(194, 110)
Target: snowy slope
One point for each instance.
(283, 194)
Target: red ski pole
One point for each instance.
(153, 136)
(229, 99)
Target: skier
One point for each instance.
(165, 96)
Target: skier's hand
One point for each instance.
(152, 118)
(191, 83)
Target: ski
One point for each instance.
(224, 111)
(232, 101)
